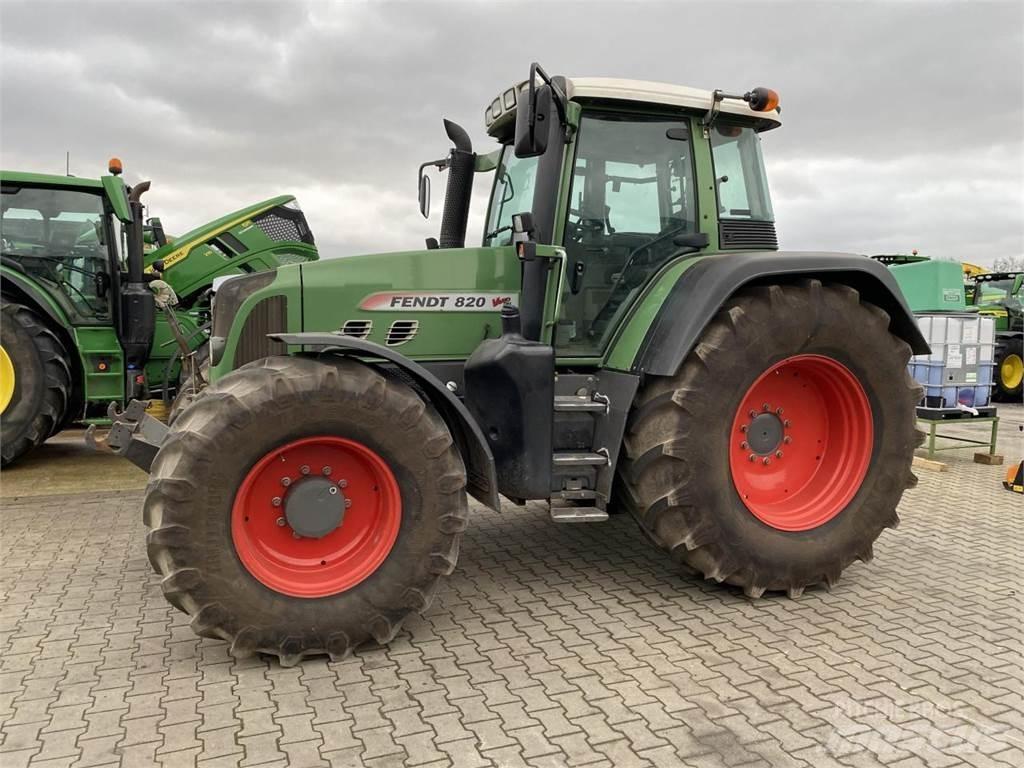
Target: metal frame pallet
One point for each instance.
(933, 417)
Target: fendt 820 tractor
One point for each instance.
(626, 337)
(80, 329)
(1001, 294)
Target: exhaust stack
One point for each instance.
(461, 163)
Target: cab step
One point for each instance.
(578, 403)
(579, 459)
(572, 514)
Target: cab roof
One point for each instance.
(500, 113)
(48, 179)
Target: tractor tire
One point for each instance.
(37, 381)
(263, 455)
(188, 390)
(1009, 371)
(749, 474)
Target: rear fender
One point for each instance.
(702, 289)
(481, 476)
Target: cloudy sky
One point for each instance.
(903, 122)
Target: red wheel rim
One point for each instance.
(308, 566)
(801, 442)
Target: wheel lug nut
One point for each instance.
(752, 457)
(766, 406)
(753, 413)
(743, 445)
(325, 471)
(280, 522)
(785, 423)
(286, 481)
(766, 461)
(332, 490)
(778, 411)
(348, 503)
(276, 501)
(743, 428)
(778, 454)
(787, 439)
(343, 483)
(304, 469)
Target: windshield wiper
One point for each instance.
(498, 231)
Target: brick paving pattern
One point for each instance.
(572, 645)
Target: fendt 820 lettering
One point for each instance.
(626, 337)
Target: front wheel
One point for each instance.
(304, 507)
(1009, 369)
(778, 453)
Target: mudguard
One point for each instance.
(481, 476)
(703, 288)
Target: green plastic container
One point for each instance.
(932, 286)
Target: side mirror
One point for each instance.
(157, 228)
(424, 194)
(532, 122)
(696, 240)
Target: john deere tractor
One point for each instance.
(80, 325)
(1000, 294)
(626, 337)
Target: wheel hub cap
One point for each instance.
(764, 433)
(314, 507)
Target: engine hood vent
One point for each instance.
(359, 329)
(402, 331)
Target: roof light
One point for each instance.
(762, 99)
(114, 166)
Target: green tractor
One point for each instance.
(627, 337)
(999, 294)
(82, 327)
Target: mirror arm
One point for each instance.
(559, 95)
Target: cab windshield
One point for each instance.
(994, 291)
(512, 193)
(58, 236)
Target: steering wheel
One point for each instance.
(613, 302)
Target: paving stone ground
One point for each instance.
(551, 646)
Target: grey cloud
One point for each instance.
(223, 103)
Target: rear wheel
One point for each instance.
(1009, 369)
(35, 380)
(304, 507)
(778, 453)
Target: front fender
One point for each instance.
(481, 476)
(700, 291)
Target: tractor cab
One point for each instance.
(64, 232)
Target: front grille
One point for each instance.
(747, 235)
(269, 316)
(402, 331)
(231, 294)
(284, 225)
(359, 329)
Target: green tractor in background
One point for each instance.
(81, 326)
(626, 337)
(999, 294)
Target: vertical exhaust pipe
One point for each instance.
(461, 163)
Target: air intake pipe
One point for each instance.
(461, 164)
(138, 308)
